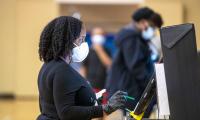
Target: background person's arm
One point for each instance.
(83, 71)
(105, 59)
(136, 60)
(131, 53)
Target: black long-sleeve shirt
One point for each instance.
(64, 94)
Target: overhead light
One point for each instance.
(118, 2)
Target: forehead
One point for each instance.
(81, 37)
(83, 31)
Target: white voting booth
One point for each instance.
(162, 96)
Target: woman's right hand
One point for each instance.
(116, 101)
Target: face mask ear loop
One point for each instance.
(70, 57)
(75, 44)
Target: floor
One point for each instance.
(18, 109)
(29, 110)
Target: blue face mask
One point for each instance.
(148, 34)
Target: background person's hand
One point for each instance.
(115, 102)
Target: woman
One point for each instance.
(63, 93)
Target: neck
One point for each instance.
(66, 59)
(137, 26)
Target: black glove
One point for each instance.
(115, 102)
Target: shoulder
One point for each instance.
(129, 31)
(66, 78)
(63, 69)
(65, 74)
(126, 32)
(127, 35)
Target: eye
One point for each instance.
(82, 39)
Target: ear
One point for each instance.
(143, 24)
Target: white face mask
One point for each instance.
(98, 39)
(148, 34)
(79, 53)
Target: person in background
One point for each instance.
(155, 43)
(132, 66)
(95, 67)
(63, 93)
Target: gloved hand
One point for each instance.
(115, 102)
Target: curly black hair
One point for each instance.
(157, 20)
(142, 13)
(58, 36)
(148, 14)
